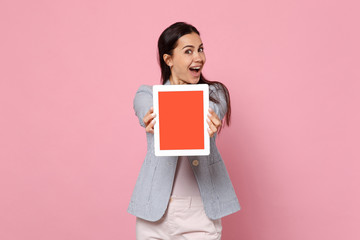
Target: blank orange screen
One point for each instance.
(181, 120)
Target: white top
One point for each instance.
(185, 183)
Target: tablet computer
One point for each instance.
(181, 127)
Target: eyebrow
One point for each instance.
(192, 46)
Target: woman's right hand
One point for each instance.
(149, 120)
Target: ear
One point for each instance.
(168, 59)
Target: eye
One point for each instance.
(188, 51)
(201, 49)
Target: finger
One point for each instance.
(149, 116)
(216, 122)
(149, 130)
(210, 132)
(214, 118)
(212, 127)
(211, 112)
(150, 127)
(151, 110)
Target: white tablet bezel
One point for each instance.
(172, 88)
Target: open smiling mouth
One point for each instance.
(195, 69)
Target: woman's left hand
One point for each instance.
(213, 122)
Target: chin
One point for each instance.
(194, 80)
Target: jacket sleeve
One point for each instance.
(219, 108)
(143, 101)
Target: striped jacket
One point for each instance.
(153, 187)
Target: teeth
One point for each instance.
(195, 68)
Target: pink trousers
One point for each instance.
(184, 218)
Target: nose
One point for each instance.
(198, 57)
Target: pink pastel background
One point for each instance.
(71, 147)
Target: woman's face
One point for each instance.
(187, 60)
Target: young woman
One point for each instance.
(182, 197)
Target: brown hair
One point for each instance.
(166, 44)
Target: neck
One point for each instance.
(175, 81)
